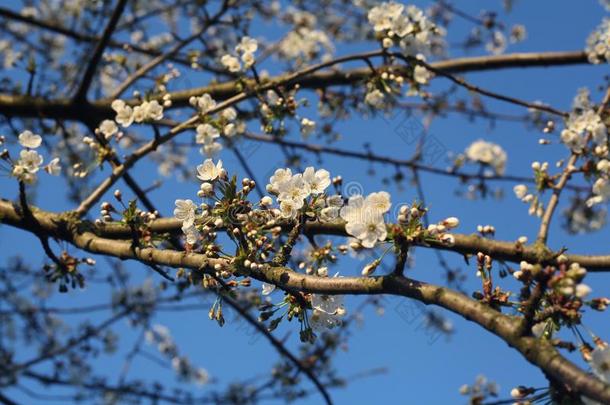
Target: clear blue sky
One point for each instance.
(418, 371)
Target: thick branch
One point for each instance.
(538, 352)
(22, 106)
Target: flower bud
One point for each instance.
(451, 222)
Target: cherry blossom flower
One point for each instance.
(520, 190)
(307, 127)
(279, 178)
(598, 43)
(231, 63)
(488, 153)
(229, 114)
(208, 171)
(206, 134)
(124, 113)
(108, 128)
(30, 160)
(185, 211)
(578, 124)
(407, 25)
(305, 44)
(295, 190)
(379, 202)
(205, 103)
(27, 139)
(154, 110)
(317, 181)
(421, 75)
(289, 208)
(364, 219)
(375, 98)
(382, 16)
(246, 48)
(601, 191)
(190, 232)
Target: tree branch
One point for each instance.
(81, 92)
(537, 351)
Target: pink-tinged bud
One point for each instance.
(451, 222)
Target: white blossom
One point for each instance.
(191, 232)
(317, 181)
(289, 208)
(229, 114)
(296, 190)
(307, 127)
(598, 43)
(27, 139)
(124, 113)
(185, 211)
(364, 220)
(108, 128)
(231, 63)
(208, 171)
(247, 45)
(408, 25)
(206, 134)
(421, 75)
(30, 160)
(601, 191)
(379, 201)
(246, 48)
(520, 190)
(204, 103)
(305, 43)
(488, 153)
(280, 177)
(375, 98)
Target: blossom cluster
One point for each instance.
(568, 284)
(579, 125)
(522, 192)
(127, 115)
(582, 125)
(488, 154)
(407, 26)
(293, 189)
(245, 49)
(304, 44)
(28, 165)
(598, 43)
(364, 217)
(210, 130)
(187, 210)
(300, 196)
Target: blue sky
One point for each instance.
(419, 369)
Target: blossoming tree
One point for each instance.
(99, 95)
